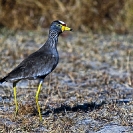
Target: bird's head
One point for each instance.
(59, 26)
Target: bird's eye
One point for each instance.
(59, 25)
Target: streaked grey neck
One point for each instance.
(52, 39)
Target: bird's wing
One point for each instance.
(36, 65)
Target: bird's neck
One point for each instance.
(52, 39)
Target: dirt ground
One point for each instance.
(90, 91)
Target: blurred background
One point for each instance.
(85, 15)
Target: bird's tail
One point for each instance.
(2, 80)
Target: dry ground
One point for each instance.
(91, 90)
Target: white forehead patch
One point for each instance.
(61, 22)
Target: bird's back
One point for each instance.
(38, 64)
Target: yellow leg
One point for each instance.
(15, 98)
(37, 95)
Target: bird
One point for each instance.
(38, 64)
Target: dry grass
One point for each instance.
(115, 15)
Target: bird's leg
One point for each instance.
(15, 97)
(37, 95)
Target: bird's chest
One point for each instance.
(54, 55)
(50, 59)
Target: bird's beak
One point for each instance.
(64, 28)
